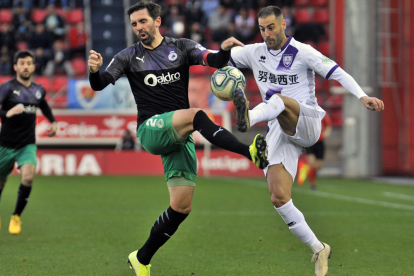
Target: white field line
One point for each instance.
(398, 196)
(259, 183)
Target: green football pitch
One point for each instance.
(89, 225)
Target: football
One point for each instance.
(225, 80)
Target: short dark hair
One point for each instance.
(23, 54)
(153, 9)
(269, 10)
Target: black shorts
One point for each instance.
(318, 150)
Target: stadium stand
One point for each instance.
(302, 16)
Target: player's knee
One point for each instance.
(279, 199)
(181, 208)
(27, 179)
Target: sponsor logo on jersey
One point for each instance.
(17, 92)
(38, 94)
(30, 109)
(141, 59)
(262, 59)
(326, 59)
(172, 56)
(152, 79)
(287, 59)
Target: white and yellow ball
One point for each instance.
(225, 80)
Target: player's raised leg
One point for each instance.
(186, 121)
(280, 185)
(27, 175)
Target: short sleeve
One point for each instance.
(240, 57)
(195, 52)
(319, 63)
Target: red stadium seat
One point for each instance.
(5, 16)
(38, 15)
(311, 43)
(321, 16)
(22, 45)
(319, 3)
(4, 78)
(324, 48)
(59, 83)
(302, 16)
(45, 81)
(214, 46)
(79, 66)
(300, 3)
(75, 16)
(197, 70)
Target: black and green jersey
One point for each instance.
(19, 130)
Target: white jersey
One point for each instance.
(289, 71)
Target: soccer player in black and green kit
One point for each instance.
(19, 99)
(157, 68)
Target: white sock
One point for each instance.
(265, 112)
(298, 226)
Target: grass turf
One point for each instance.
(89, 225)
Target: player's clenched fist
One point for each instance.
(95, 61)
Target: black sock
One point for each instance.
(1, 190)
(22, 198)
(161, 232)
(219, 136)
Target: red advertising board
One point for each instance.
(111, 162)
(89, 127)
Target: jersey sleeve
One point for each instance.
(4, 92)
(240, 57)
(195, 52)
(319, 63)
(118, 65)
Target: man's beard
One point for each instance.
(278, 41)
(25, 78)
(150, 37)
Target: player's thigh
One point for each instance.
(183, 121)
(7, 160)
(156, 134)
(181, 163)
(288, 119)
(308, 128)
(281, 150)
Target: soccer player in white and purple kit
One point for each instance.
(284, 70)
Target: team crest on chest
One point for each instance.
(38, 94)
(287, 59)
(172, 56)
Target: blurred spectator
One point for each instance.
(5, 3)
(41, 60)
(174, 22)
(54, 23)
(40, 38)
(22, 22)
(196, 33)
(127, 142)
(218, 22)
(193, 12)
(77, 40)
(309, 32)
(5, 61)
(208, 7)
(290, 20)
(59, 61)
(7, 38)
(245, 25)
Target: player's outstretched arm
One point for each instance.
(95, 61)
(373, 103)
(230, 43)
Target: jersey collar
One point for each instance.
(276, 52)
